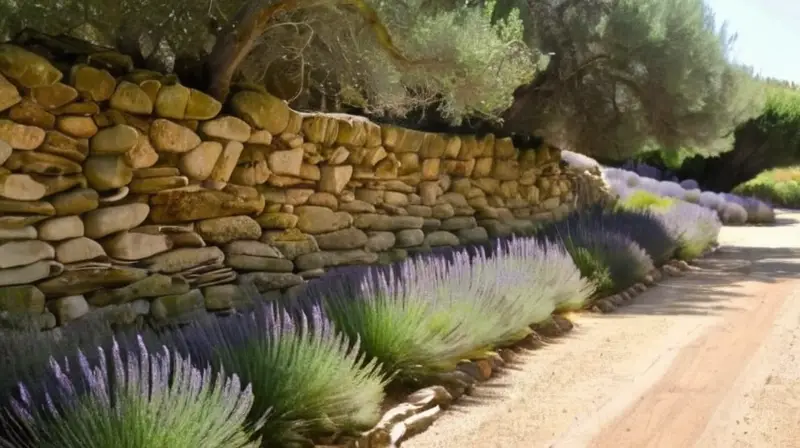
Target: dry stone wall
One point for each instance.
(126, 196)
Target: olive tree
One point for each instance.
(628, 75)
(381, 57)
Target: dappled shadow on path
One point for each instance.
(714, 280)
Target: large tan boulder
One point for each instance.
(78, 250)
(168, 136)
(129, 97)
(173, 307)
(178, 260)
(67, 309)
(230, 228)
(20, 136)
(54, 96)
(433, 146)
(171, 101)
(57, 184)
(25, 275)
(105, 221)
(9, 206)
(321, 129)
(143, 155)
(21, 299)
(117, 139)
(134, 246)
(335, 178)
(400, 140)
(251, 168)
(261, 110)
(65, 146)
(82, 281)
(228, 128)
(29, 113)
(506, 170)
(344, 239)
(226, 162)
(77, 127)
(26, 68)
(75, 202)
(277, 220)
(61, 228)
(20, 253)
(11, 222)
(9, 95)
(186, 205)
(504, 149)
(154, 285)
(21, 187)
(21, 233)
(41, 163)
(286, 163)
(198, 163)
(107, 172)
(92, 83)
(202, 106)
(314, 220)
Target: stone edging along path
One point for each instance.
(416, 412)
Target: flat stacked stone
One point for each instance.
(127, 196)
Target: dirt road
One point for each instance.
(709, 360)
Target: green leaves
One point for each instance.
(634, 74)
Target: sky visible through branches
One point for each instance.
(765, 28)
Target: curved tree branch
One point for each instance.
(252, 21)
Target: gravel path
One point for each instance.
(711, 359)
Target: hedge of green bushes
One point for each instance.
(780, 187)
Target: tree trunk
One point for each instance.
(253, 20)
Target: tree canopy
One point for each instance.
(769, 140)
(628, 75)
(607, 78)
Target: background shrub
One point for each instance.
(644, 200)
(778, 186)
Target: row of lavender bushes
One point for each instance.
(731, 208)
(639, 176)
(285, 374)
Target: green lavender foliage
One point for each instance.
(131, 399)
(310, 379)
(423, 316)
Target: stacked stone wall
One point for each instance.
(127, 196)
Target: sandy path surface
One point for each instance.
(708, 360)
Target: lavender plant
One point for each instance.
(551, 270)
(523, 284)
(311, 379)
(693, 226)
(395, 314)
(422, 316)
(25, 355)
(134, 399)
(642, 226)
(605, 251)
